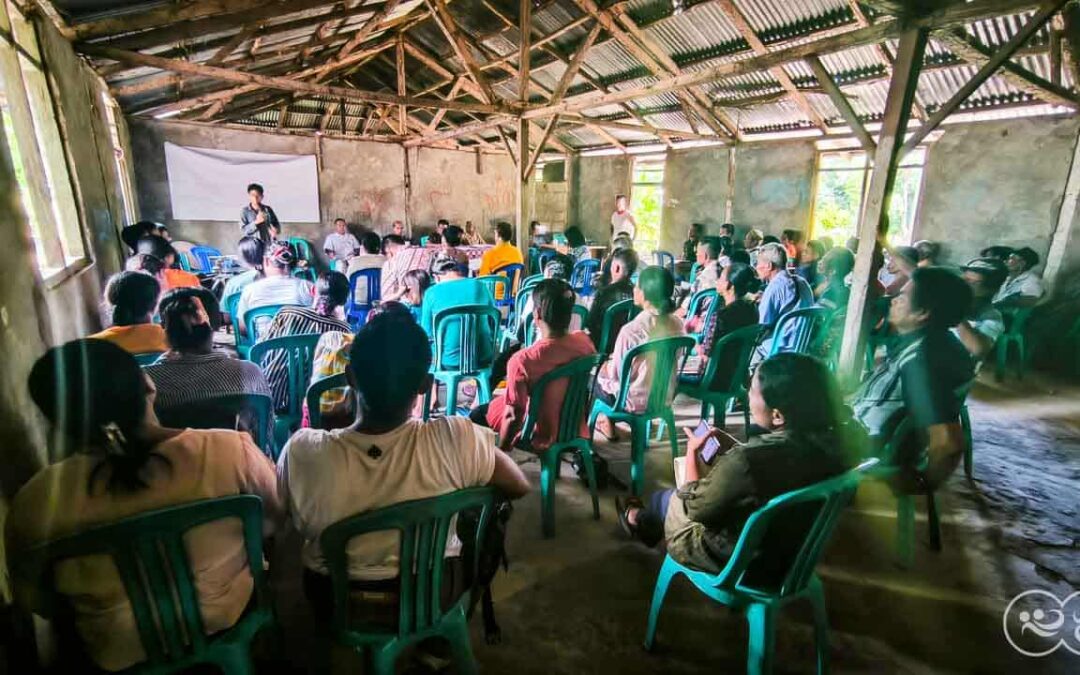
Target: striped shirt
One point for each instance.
(292, 321)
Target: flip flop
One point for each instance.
(622, 508)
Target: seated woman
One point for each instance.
(832, 291)
(122, 462)
(417, 282)
(170, 276)
(192, 372)
(575, 244)
(331, 293)
(737, 312)
(252, 251)
(795, 398)
(653, 295)
(278, 286)
(133, 297)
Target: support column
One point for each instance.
(522, 183)
(1059, 241)
(875, 220)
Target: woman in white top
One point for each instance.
(278, 287)
(622, 221)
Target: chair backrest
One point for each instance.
(543, 257)
(303, 249)
(577, 398)
(579, 315)
(423, 525)
(743, 340)
(256, 320)
(306, 273)
(694, 269)
(149, 553)
(244, 412)
(665, 260)
(299, 352)
(360, 303)
(810, 324)
(202, 255)
(581, 279)
(496, 285)
(468, 319)
(703, 303)
(664, 356)
(616, 316)
(424, 240)
(533, 260)
(529, 282)
(1016, 319)
(314, 396)
(829, 497)
(514, 273)
(147, 358)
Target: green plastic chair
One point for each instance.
(965, 426)
(149, 553)
(622, 311)
(314, 396)
(905, 503)
(299, 352)
(224, 412)
(716, 402)
(579, 311)
(694, 269)
(495, 284)
(303, 249)
(255, 319)
(737, 587)
(577, 375)
(147, 358)
(1016, 320)
(469, 319)
(664, 353)
(707, 295)
(424, 525)
(530, 281)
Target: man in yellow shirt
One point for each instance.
(502, 253)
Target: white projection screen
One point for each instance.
(207, 184)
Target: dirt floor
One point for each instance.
(578, 603)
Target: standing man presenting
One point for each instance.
(622, 221)
(258, 219)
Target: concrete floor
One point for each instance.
(577, 603)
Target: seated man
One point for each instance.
(1023, 287)
(503, 253)
(278, 286)
(833, 291)
(384, 458)
(784, 292)
(794, 399)
(924, 367)
(340, 246)
(133, 297)
(553, 301)
(984, 324)
(624, 263)
(452, 238)
(454, 289)
(370, 258)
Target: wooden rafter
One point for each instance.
(422, 55)
(841, 102)
(369, 27)
(461, 47)
(739, 21)
(603, 133)
(887, 56)
(526, 172)
(640, 128)
(174, 13)
(508, 145)
(402, 89)
(575, 64)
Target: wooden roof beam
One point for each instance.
(861, 18)
(461, 47)
(842, 104)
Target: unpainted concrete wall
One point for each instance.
(695, 191)
(550, 204)
(773, 187)
(362, 182)
(595, 182)
(996, 183)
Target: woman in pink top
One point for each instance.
(652, 294)
(122, 462)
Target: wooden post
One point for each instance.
(522, 182)
(1059, 240)
(875, 214)
(408, 192)
(524, 59)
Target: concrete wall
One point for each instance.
(594, 183)
(362, 182)
(773, 187)
(550, 204)
(996, 183)
(695, 191)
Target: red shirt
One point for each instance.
(525, 369)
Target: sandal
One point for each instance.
(622, 510)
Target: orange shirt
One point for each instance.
(140, 338)
(202, 464)
(178, 279)
(502, 253)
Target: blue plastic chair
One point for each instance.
(515, 319)
(314, 396)
(424, 240)
(542, 258)
(299, 353)
(665, 260)
(147, 358)
(582, 278)
(514, 273)
(469, 319)
(151, 558)
(810, 328)
(665, 354)
(423, 526)
(761, 599)
(256, 319)
(357, 309)
(203, 255)
(694, 269)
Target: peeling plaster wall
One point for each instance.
(595, 182)
(362, 182)
(695, 191)
(774, 186)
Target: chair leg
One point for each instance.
(236, 660)
(548, 463)
(745, 401)
(933, 521)
(590, 474)
(669, 419)
(821, 625)
(762, 620)
(639, 443)
(905, 529)
(1002, 358)
(451, 395)
(460, 643)
(382, 660)
(663, 580)
(965, 425)
(483, 384)
(427, 401)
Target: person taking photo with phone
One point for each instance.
(808, 439)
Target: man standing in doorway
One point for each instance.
(258, 219)
(622, 221)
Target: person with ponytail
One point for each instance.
(326, 314)
(278, 286)
(121, 462)
(653, 294)
(252, 251)
(133, 297)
